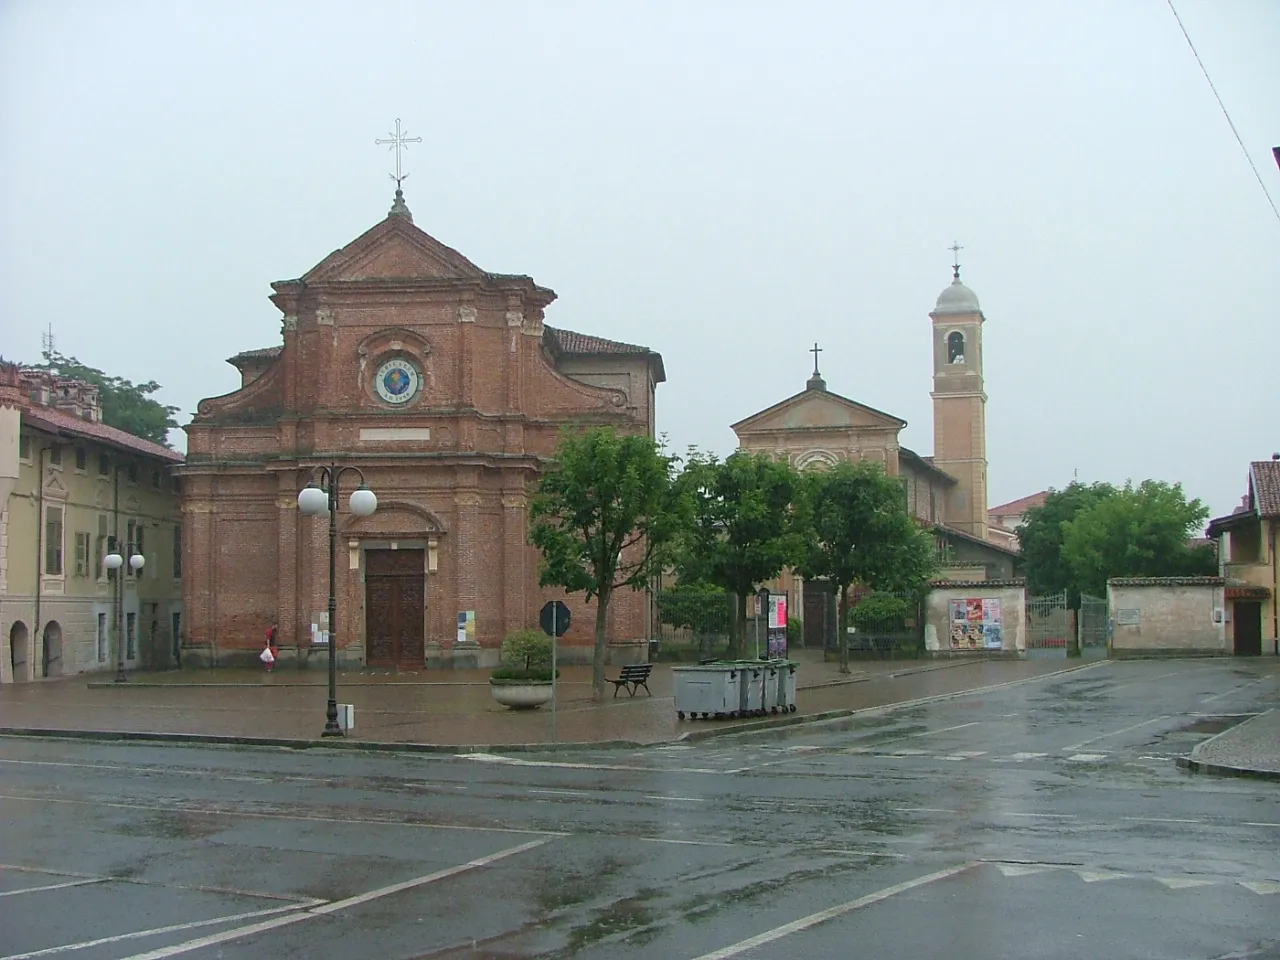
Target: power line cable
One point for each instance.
(1252, 166)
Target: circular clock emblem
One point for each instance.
(396, 381)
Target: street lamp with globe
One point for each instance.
(114, 561)
(317, 498)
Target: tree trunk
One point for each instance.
(842, 628)
(602, 640)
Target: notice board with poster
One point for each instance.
(777, 635)
(975, 624)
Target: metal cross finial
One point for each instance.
(815, 351)
(399, 141)
(955, 249)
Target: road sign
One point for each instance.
(554, 618)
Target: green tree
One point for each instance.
(863, 533)
(1041, 535)
(743, 526)
(603, 517)
(125, 405)
(1138, 531)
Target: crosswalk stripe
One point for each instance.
(1260, 887)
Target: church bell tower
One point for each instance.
(959, 404)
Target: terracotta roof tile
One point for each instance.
(568, 341)
(262, 353)
(1016, 508)
(1167, 581)
(58, 422)
(1264, 478)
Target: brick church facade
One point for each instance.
(443, 385)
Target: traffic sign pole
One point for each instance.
(554, 644)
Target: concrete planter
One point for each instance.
(525, 695)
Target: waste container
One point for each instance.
(786, 686)
(722, 688)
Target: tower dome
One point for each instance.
(957, 298)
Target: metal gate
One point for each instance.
(1094, 626)
(1048, 626)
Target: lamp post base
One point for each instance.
(331, 728)
(120, 677)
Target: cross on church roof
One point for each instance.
(955, 249)
(815, 351)
(399, 141)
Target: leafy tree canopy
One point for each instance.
(863, 533)
(1041, 535)
(744, 525)
(603, 516)
(1138, 531)
(125, 405)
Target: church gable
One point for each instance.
(817, 410)
(394, 249)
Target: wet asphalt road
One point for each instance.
(1043, 819)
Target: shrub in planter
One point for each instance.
(525, 658)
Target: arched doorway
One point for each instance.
(19, 652)
(52, 652)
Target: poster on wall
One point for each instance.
(975, 624)
(466, 626)
(776, 644)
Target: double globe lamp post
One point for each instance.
(114, 562)
(317, 498)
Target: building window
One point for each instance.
(104, 464)
(102, 638)
(82, 458)
(177, 551)
(155, 477)
(131, 635)
(24, 446)
(134, 545)
(53, 541)
(132, 473)
(82, 553)
(55, 455)
(100, 549)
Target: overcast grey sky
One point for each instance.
(724, 182)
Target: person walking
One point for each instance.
(270, 652)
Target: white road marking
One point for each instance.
(53, 886)
(1019, 757)
(1021, 869)
(864, 853)
(120, 768)
(308, 818)
(909, 753)
(309, 913)
(1098, 876)
(649, 796)
(1087, 757)
(921, 810)
(1250, 823)
(1184, 883)
(822, 916)
(1236, 689)
(558, 793)
(686, 843)
(1039, 816)
(1260, 887)
(1160, 820)
(1115, 733)
(565, 765)
(157, 931)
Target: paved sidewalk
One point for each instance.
(1251, 748)
(458, 711)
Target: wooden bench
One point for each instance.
(634, 676)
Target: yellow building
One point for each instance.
(1247, 541)
(71, 488)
